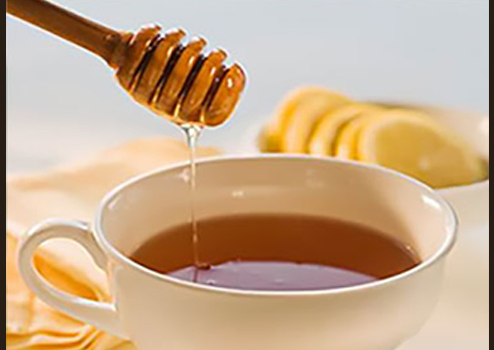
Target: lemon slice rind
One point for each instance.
(348, 137)
(300, 117)
(324, 139)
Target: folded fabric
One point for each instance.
(71, 193)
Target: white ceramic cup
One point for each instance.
(158, 312)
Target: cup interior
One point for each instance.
(381, 199)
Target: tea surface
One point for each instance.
(276, 253)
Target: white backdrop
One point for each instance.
(64, 103)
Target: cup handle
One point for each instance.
(99, 314)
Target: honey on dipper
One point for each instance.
(177, 80)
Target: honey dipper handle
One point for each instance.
(101, 40)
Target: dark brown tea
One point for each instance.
(277, 253)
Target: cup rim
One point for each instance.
(442, 252)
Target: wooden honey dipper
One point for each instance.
(173, 79)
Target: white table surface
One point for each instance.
(63, 104)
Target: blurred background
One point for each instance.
(63, 103)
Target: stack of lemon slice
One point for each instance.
(322, 122)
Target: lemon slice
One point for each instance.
(270, 136)
(420, 148)
(323, 140)
(299, 116)
(348, 136)
(269, 139)
(293, 100)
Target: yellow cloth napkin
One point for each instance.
(71, 193)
